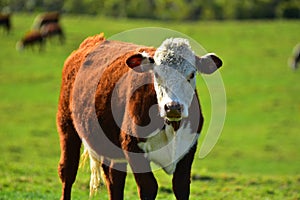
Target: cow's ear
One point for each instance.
(140, 62)
(208, 63)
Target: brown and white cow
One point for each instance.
(131, 104)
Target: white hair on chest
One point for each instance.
(166, 147)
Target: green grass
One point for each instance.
(256, 157)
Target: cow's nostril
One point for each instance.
(167, 108)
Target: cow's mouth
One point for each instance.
(174, 122)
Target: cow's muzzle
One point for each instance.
(173, 114)
(173, 110)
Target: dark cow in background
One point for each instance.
(131, 104)
(5, 22)
(49, 26)
(51, 30)
(45, 27)
(46, 18)
(31, 38)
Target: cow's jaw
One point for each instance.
(175, 123)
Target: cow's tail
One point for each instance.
(96, 172)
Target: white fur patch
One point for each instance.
(174, 51)
(166, 147)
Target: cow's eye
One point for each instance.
(191, 76)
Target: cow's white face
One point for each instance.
(174, 78)
(174, 90)
(174, 68)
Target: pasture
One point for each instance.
(256, 157)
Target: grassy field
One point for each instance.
(256, 157)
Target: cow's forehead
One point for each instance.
(175, 53)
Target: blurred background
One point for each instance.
(164, 9)
(257, 155)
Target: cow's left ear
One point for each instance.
(140, 62)
(208, 63)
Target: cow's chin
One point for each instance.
(174, 122)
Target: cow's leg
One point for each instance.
(182, 175)
(146, 182)
(147, 185)
(115, 175)
(70, 144)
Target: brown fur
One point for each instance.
(95, 57)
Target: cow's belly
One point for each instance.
(99, 158)
(163, 147)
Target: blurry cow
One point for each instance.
(52, 29)
(45, 18)
(5, 21)
(295, 58)
(31, 39)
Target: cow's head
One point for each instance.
(174, 68)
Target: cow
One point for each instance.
(294, 60)
(131, 104)
(5, 22)
(45, 18)
(31, 39)
(53, 29)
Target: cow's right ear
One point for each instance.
(140, 62)
(208, 64)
